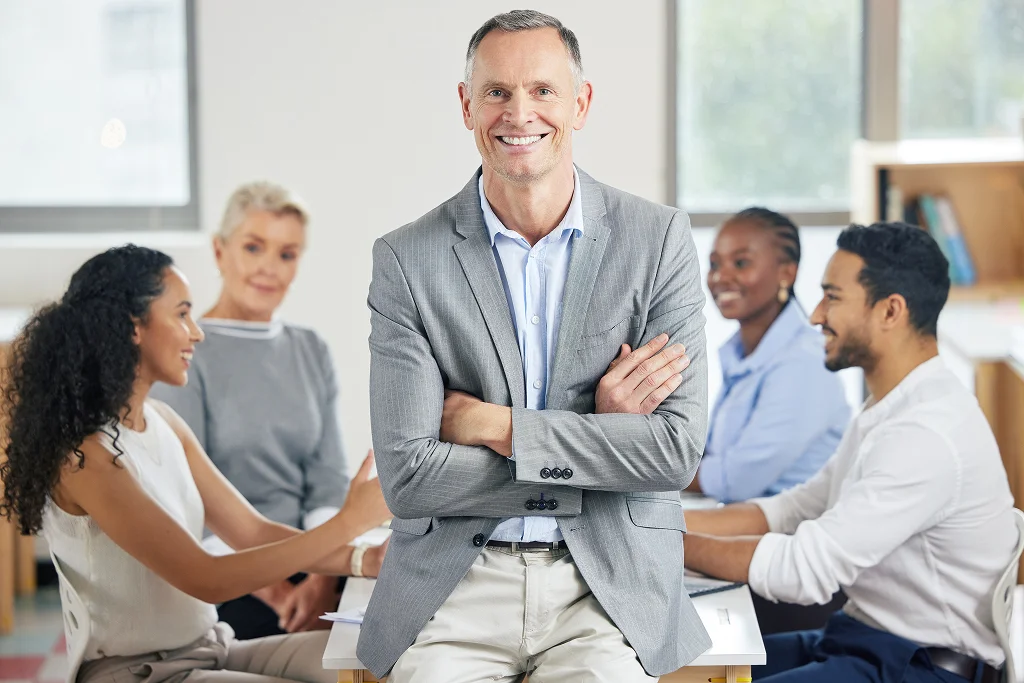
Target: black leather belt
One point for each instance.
(531, 545)
(963, 665)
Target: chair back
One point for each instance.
(1002, 600)
(77, 625)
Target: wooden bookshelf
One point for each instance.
(984, 181)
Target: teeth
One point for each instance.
(727, 296)
(520, 141)
(187, 355)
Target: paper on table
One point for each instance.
(351, 616)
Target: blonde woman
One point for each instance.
(262, 399)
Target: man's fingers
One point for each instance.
(654, 399)
(666, 359)
(626, 366)
(624, 351)
(654, 380)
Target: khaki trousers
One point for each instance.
(218, 658)
(518, 613)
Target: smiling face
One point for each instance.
(258, 262)
(523, 106)
(168, 337)
(845, 317)
(747, 270)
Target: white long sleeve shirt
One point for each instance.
(912, 518)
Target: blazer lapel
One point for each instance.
(477, 259)
(587, 253)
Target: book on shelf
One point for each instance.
(935, 214)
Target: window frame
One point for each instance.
(879, 114)
(39, 220)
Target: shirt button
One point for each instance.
(537, 384)
(535, 319)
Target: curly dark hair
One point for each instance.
(71, 373)
(901, 259)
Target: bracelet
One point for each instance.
(356, 564)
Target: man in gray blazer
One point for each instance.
(531, 418)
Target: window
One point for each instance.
(96, 116)
(768, 103)
(961, 68)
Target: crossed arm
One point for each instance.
(439, 456)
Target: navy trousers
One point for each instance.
(847, 651)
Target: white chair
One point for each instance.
(1002, 601)
(77, 624)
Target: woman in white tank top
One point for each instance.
(121, 489)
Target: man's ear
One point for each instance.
(894, 311)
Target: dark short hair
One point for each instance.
(901, 259)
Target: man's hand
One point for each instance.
(468, 421)
(311, 598)
(638, 381)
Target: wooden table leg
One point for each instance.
(703, 674)
(7, 570)
(25, 571)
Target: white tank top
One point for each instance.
(132, 610)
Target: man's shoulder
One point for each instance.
(436, 224)
(620, 204)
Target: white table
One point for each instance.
(728, 617)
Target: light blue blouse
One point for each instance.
(779, 416)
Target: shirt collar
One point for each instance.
(242, 329)
(572, 221)
(874, 412)
(790, 322)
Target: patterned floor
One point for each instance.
(35, 652)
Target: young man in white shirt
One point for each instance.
(912, 517)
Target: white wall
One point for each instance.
(354, 106)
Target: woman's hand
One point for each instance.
(302, 608)
(364, 506)
(275, 595)
(373, 558)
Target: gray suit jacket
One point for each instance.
(440, 320)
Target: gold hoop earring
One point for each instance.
(783, 293)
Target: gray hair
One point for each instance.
(526, 20)
(260, 196)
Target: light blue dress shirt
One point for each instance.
(534, 279)
(780, 414)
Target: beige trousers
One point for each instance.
(218, 658)
(518, 613)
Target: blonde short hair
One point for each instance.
(260, 195)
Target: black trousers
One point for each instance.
(252, 618)
(783, 617)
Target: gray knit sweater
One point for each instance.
(262, 399)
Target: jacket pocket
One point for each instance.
(656, 513)
(619, 333)
(416, 527)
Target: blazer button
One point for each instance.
(545, 473)
(566, 473)
(552, 504)
(478, 540)
(556, 473)
(542, 505)
(531, 504)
